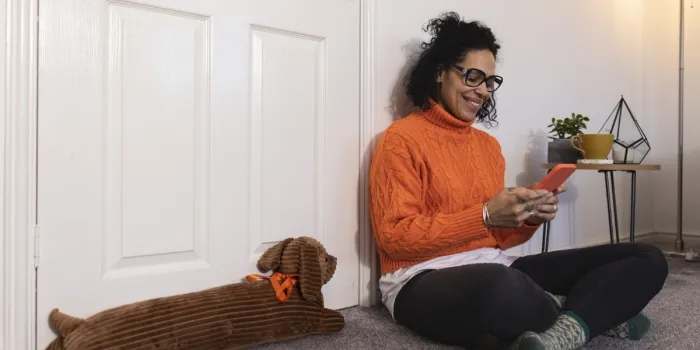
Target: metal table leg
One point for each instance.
(612, 207)
(607, 199)
(545, 232)
(633, 203)
(614, 198)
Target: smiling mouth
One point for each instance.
(472, 102)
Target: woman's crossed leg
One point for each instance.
(604, 286)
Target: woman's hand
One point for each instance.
(561, 189)
(512, 206)
(546, 211)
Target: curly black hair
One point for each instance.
(452, 38)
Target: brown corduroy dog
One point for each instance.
(286, 306)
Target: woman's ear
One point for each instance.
(310, 279)
(270, 260)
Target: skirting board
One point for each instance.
(623, 238)
(695, 235)
(662, 239)
(666, 242)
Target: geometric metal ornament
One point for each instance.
(631, 144)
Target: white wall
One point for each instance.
(3, 31)
(661, 104)
(557, 57)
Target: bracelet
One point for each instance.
(485, 216)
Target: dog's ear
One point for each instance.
(270, 260)
(310, 279)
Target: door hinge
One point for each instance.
(37, 245)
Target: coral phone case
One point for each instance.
(559, 174)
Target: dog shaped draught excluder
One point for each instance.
(284, 306)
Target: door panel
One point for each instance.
(180, 139)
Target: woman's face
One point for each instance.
(458, 98)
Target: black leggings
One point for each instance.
(605, 286)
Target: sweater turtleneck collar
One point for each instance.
(442, 118)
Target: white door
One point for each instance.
(179, 139)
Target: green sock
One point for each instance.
(634, 329)
(567, 333)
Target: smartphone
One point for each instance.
(556, 177)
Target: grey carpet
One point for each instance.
(674, 314)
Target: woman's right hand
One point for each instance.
(512, 206)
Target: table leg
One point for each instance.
(614, 198)
(545, 232)
(633, 203)
(544, 237)
(611, 200)
(607, 199)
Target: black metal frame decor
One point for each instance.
(614, 128)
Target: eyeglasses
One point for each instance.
(474, 77)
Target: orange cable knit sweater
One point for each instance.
(430, 177)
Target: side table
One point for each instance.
(608, 171)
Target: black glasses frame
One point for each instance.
(493, 82)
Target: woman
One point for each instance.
(442, 219)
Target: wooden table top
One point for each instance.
(614, 167)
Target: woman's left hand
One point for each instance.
(547, 210)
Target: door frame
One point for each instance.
(18, 192)
(369, 268)
(19, 174)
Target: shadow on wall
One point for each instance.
(535, 156)
(370, 260)
(564, 228)
(399, 106)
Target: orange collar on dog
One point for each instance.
(281, 283)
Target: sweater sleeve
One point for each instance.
(510, 237)
(403, 226)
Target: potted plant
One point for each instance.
(559, 149)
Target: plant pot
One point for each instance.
(561, 151)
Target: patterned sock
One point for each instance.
(569, 332)
(634, 329)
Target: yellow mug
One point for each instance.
(593, 146)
